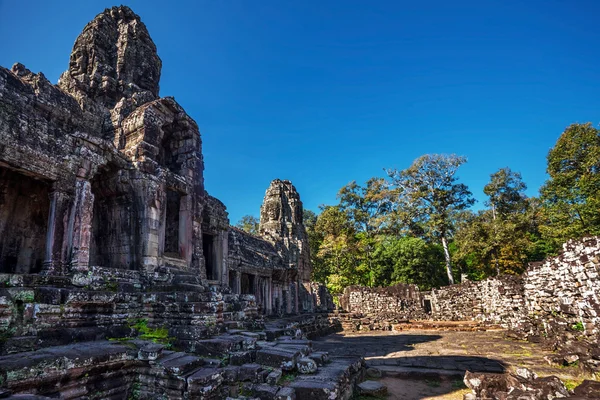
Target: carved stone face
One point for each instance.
(78, 63)
(273, 210)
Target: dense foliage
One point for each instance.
(415, 226)
(249, 224)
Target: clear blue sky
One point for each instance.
(326, 92)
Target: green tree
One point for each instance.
(571, 196)
(503, 238)
(429, 189)
(315, 239)
(506, 192)
(337, 266)
(249, 224)
(409, 260)
(367, 208)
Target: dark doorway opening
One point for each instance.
(427, 305)
(247, 283)
(113, 238)
(232, 285)
(172, 224)
(24, 209)
(210, 257)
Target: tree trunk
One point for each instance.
(448, 262)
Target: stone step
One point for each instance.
(320, 357)
(206, 383)
(303, 349)
(278, 358)
(180, 363)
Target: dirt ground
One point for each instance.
(427, 365)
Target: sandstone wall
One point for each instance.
(398, 301)
(557, 295)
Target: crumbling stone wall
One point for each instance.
(557, 295)
(398, 301)
(496, 300)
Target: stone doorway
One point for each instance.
(24, 209)
(114, 223)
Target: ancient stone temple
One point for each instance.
(106, 227)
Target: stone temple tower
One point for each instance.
(281, 224)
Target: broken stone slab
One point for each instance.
(304, 350)
(588, 389)
(230, 373)
(204, 381)
(265, 391)
(181, 363)
(216, 347)
(374, 373)
(286, 393)
(320, 357)
(275, 358)
(306, 365)
(315, 390)
(274, 376)
(240, 358)
(250, 372)
(372, 388)
(255, 335)
(150, 351)
(272, 334)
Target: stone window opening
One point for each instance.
(24, 213)
(247, 284)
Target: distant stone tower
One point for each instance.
(281, 224)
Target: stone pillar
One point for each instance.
(80, 226)
(185, 229)
(54, 262)
(296, 294)
(238, 282)
(269, 296)
(222, 259)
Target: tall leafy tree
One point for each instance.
(508, 203)
(338, 250)
(367, 208)
(571, 196)
(409, 260)
(429, 187)
(248, 223)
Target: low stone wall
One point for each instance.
(495, 300)
(557, 295)
(398, 301)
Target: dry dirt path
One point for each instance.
(430, 364)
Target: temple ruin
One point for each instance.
(106, 230)
(121, 277)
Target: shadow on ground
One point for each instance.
(408, 374)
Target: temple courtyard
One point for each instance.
(430, 364)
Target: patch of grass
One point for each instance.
(578, 327)
(156, 335)
(6, 334)
(523, 352)
(571, 384)
(432, 383)
(112, 286)
(135, 391)
(458, 384)
(288, 377)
